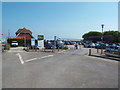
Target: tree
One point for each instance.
(94, 35)
(115, 34)
(91, 33)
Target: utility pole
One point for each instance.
(8, 33)
(55, 38)
(7, 39)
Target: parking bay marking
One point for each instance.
(22, 62)
(39, 58)
(20, 57)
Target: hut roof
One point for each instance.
(24, 30)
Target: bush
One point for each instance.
(66, 47)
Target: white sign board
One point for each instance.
(32, 42)
(40, 44)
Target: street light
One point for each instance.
(102, 38)
(102, 32)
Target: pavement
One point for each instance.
(65, 69)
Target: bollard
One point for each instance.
(97, 50)
(53, 49)
(44, 49)
(102, 51)
(89, 52)
(58, 48)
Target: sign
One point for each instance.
(40, 44)
(40, 37)
(41, 41)
(32, 42)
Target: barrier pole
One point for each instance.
(89, 52)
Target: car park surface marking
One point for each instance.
(23, 61)
(20, 57)
(31, 59)
(38, 58)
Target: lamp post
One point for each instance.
(102, 39)
(118, 39)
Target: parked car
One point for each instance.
(101, 45)
(87, 45)
(118, 44)
(49, 45)
(14, 43)
(92, 45)
(66, 43)
(60, 46)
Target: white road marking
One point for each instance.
(30, 60)
(46, 56)
(21, 60)
(38, 58)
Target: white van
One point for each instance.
(14, 43)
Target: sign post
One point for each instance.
(33, 42)
(41, 41)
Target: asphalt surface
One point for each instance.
(66, 69)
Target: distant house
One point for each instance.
(24, 33)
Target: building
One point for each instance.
(24, 33)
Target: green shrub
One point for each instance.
(66, 47)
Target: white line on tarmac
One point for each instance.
(38, 58)
(46, 56)
(30, 60)
(21, 60)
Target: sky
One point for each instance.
(62, 19)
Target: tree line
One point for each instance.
(111, 36)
